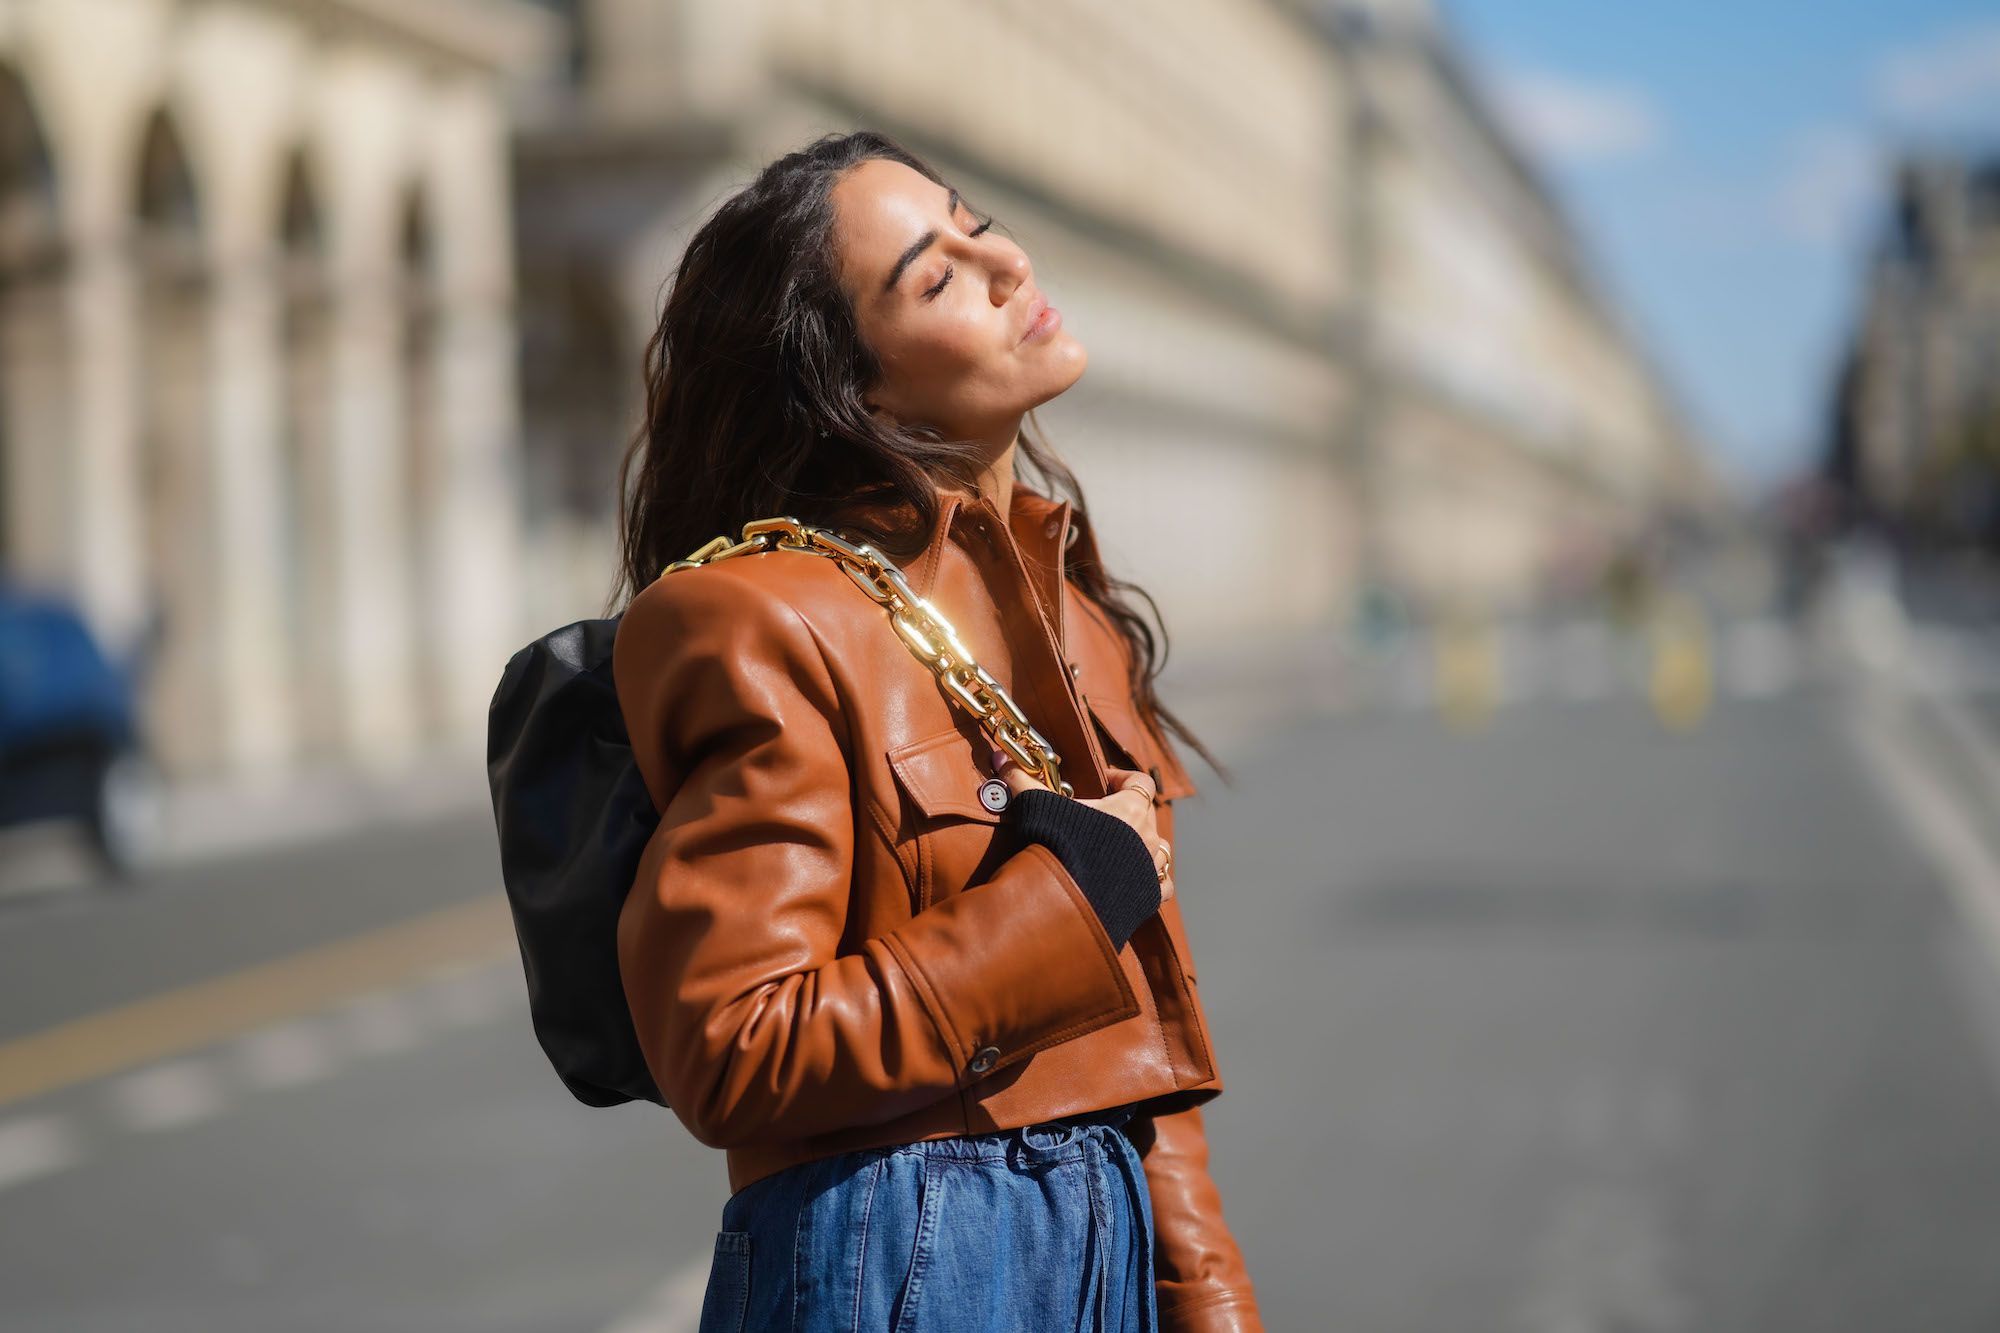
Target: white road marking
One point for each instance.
(1760, 659)
(284, 1054)
(1411, 679)
(672, 1307)
(35, 1145)
(1603, 1260)
(1523, 665)
(1935, 813)
(379, 1023)
(167, 1095)
(470, 994)
(1602, 1265)
(1943, 676)
(1939, 825)
(1584, 665)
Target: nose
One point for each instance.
(1010, 272)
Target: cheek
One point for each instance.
(943, 343)
(941, 358)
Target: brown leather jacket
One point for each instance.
(827, 948)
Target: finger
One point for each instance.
(1132, 779)
(1162, 857)
(1139, 782)
(1018, 779)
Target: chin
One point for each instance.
(1070, 359)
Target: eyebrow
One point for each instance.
(921, 244)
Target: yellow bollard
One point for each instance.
(1681, 681)
(1468, 670)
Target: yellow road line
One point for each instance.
(226, 1006)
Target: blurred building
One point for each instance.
(1339, 330)
(258, 354)
(321, 324)
(1510, 431)
(1915, 443)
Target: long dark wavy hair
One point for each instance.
(754, 382)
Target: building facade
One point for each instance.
(321, 324)
(1915, 440)
(258, 359)
(1511, 432)
(1339, 333)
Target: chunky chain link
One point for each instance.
(920, 625)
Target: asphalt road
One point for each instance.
(1571, 1023)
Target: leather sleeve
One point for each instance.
(1103, 854)
(755, 1023)
(1200, 1279)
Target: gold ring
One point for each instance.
(1167, 864)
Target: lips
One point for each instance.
(1035, 308)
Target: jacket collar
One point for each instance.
(1048, 533)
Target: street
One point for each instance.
(1570, 1020)
(1575, 1025)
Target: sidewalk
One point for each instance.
(203, 821)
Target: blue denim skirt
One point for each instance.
(1039, 1229)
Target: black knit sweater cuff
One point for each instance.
(1105, 855)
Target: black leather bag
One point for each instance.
(574, 818)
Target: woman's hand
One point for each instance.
(1132, 799)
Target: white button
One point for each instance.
(993, 794)
(983, 1061)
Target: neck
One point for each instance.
(995, 481)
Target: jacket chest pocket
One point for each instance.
(947, 828)
(1133, 746)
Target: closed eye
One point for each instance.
(931, 292)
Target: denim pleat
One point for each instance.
(1041, 1229)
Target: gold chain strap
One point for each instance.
(921, 626)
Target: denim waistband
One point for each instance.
(1043, 1140)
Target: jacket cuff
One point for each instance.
(1014, 964)
(1229, 1311)
(1105, 855)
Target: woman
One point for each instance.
(940, 1016)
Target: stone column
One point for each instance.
(312, 576)
(475, 617)
(370, 645)
(247, 494)
(180, 543)
(477, 576)
(103, 555)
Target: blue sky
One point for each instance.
(1724, 164)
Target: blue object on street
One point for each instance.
(53, 676)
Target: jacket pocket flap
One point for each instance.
(942, 776)
(1142, 751)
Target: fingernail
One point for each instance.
(999, 757)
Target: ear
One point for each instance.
(876, 399)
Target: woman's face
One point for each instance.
(946, 306)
